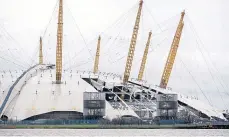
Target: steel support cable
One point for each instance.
(12, 55)
(109, 48)
(75, 66)
(158, 34)
(153, 50)
(89, 60)
(113, 42)
(113, 62)
(196, 92)
(158, 24)
(164, 30)
(110, 61)
(115, 38)
(153, 17)
(9, 57)
(47, 47)
(5, 37)
(50, 20)
(125, 16)
(106, 43)
(16, 43)
(139, 59)
(12, 62)
(57, 1)
(194, 80)
(34, 58)
(81, 51)
(114, 24)
(167, 20)
(213, 64)
(4, 50)
(158, 45)
(180, 79)
(205, 60)
(119, 19)
(47, 26)
(69, 60)
(35, 55)
(70, 63)
(78, 29)
(46, 51)
(116, 47)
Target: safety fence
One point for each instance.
(50, 122)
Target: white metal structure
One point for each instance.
(35, 93)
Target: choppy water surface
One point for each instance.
(114, 132)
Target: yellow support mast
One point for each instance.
(132, 45)
(59, 44)
(172, 54)
(40, 53)
(142, 68)
(96, 65)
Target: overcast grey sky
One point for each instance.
(26, 20)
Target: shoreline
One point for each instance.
(181, 126)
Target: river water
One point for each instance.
(114, 132)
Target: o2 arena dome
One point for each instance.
(46, 91)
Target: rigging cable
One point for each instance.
(16, 42)
(152, 17)
(12, 62)
(81, 51)
(103, 32)
(205, 60)
(113, 42)
(195, 81)
(213, 64)
(116, 22)
(80, 32)
(8, 49)
(50, 19)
